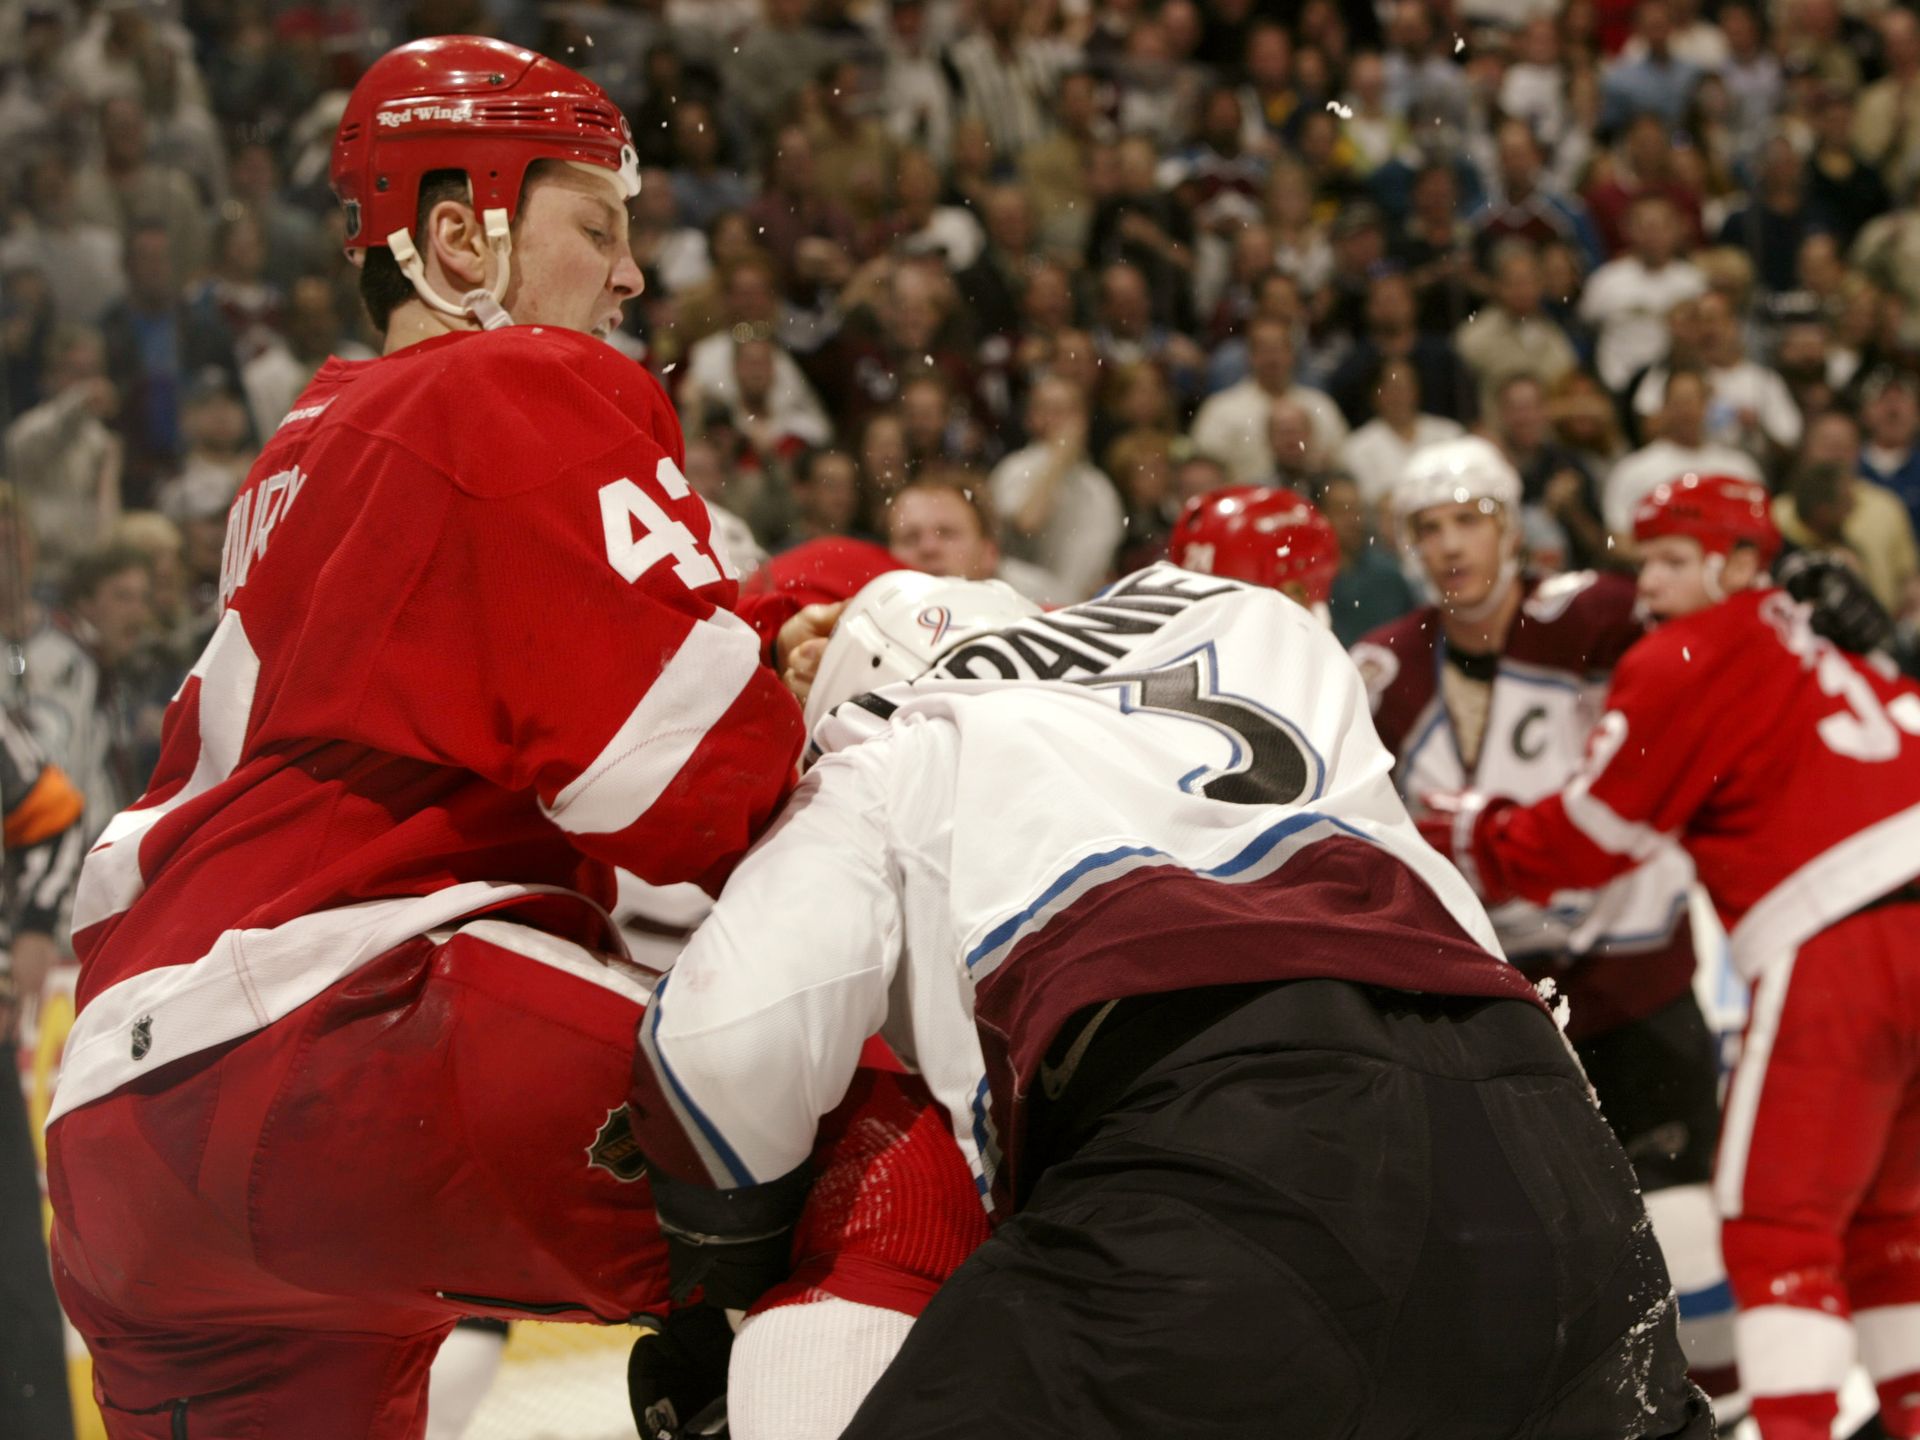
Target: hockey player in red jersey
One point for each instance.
(354, 1036)
(1496, 687)
(1790, 770)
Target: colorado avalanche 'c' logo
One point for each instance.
(936, 618)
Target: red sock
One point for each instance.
(1796, 1417)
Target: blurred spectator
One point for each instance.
(1232, 425)
(1513, 336)
(1555, 482)
(1641, 165)
(1436, 248)
(1843, 190)
(917, 224)
(703, 187)
(1652, 79)
(1812, 41)
(28, 326)
(1003, 78)
(1751, 72)
(916, 101)
(1523, 207)
(1061, 513)
(79, 259)
(274, 378)
(1370, 129)
(812, 240)
(1144, 226)
(1749, 406)
(155, 346)
(1300, 247)
(1886, 123)
(1057, 171)
(236, 297)
(1446, 385)
(1586, 421)
(1628, 299)
(33, 91)
(292, 241)
(762, 393)
(1829, 506)
(992, 286)
(1424, 82)
(126, 190)
(1141, 464)
(63, 459)
(942, 522)
(1777, 218)
(1533, 92)
(1832, 511)
(79, 704)
(827, 498)
(853, 155)
(219, 448)
(1298, 459)
(1890, 410)
(1127, 332)
(1377, 453)
(1681, 445)
(777, 58)
(1368, 589)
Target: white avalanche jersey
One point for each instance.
(1175, 784)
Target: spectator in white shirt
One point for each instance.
(1628, 298)
(1682, 447)
(1232, 426)
(1060, 512)
(1377, 453)
(1750, 406)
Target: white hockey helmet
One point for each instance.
(899, 624)
(1458, 472)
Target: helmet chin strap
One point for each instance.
(1495, 597)
(482, 305)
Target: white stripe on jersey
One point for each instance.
(245, 982)
(110, 880)
(652, 746)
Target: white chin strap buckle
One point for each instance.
(482, 306)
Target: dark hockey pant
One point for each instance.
(1334, 1211)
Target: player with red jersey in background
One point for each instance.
(1790, 770)
(354, 1029)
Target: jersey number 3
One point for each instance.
(1270, 765)
(634, 551)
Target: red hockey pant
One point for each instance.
(1819, 1177)
(272, 1240)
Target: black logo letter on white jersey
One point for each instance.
(1270, 767)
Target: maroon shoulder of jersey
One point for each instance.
(502, 412)
(1396, 661)
(1581, 622)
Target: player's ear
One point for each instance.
(457, 245)
(1743, 567)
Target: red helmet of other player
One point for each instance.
(1722, 512)
(464, 102)
(1265, 536)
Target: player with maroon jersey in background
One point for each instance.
(1790, 770)
(354, 1028)
(1495, 687)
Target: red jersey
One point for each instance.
(476, 651)
(1787, 767)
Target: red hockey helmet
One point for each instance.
(464, 102)
(1720, 511)
(1265, 536)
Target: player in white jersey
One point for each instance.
(1275, 1140)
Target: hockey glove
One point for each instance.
(677, 1376)
(1842, 608)
(732, 1244)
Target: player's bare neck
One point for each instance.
(413, 322)
(1486, 635)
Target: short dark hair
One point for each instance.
(384, 287)
(87, 572)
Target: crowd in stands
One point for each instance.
(1001, 283)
